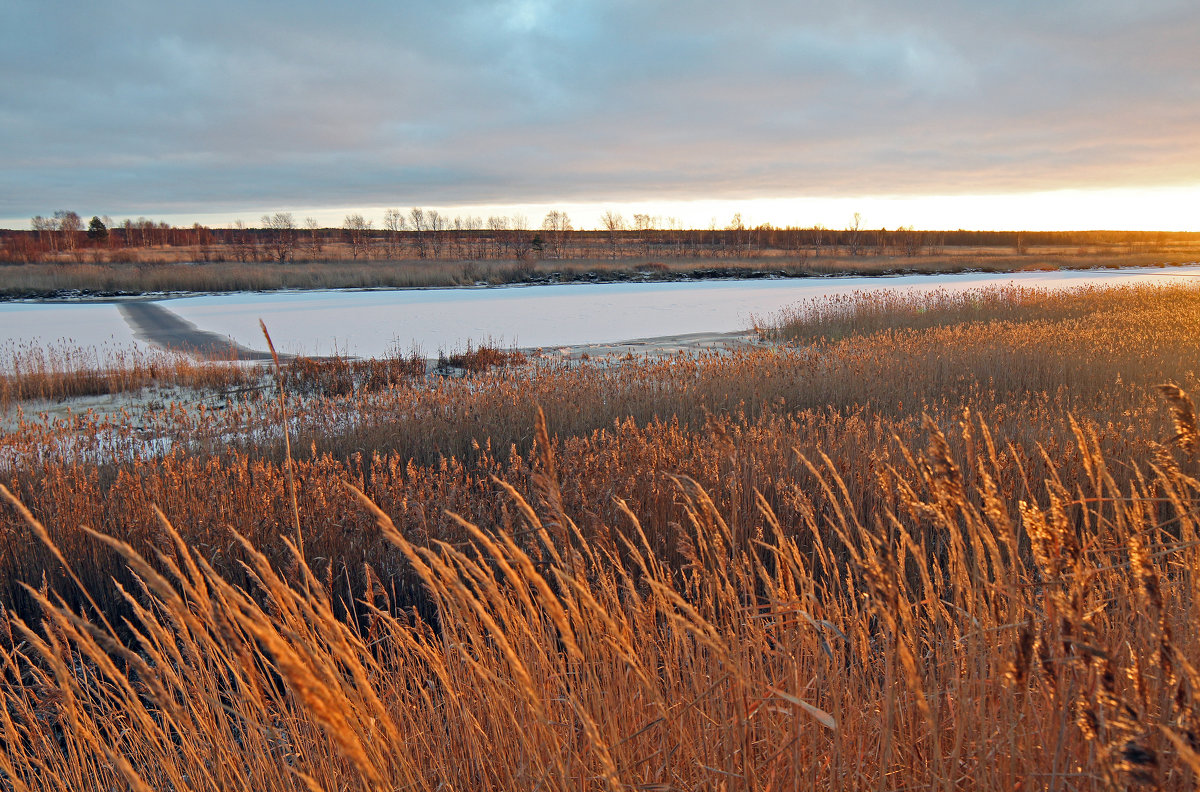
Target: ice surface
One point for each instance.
(372, 323)
(82, 324)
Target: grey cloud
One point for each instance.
(134, 106)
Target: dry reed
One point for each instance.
(960, 555)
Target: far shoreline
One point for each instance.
(86, 282)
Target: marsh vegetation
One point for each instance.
(932, 541)
(423, 249)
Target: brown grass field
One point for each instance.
(189, 269)
(944, 542)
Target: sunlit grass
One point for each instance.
(950, 543)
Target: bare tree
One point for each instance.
(437, 227)
(458, 248)
(315, 243)
(69, 225)
(416, 217)
(145, 232)
(281, 235)
(357, 232)
(912, 241)
(818, 238)
(644, 224)
(393, 223)
(677, 237)
(519, 237)
(202, 238)
(935, 244)
(45, 228)
(499, 228)
(854, 235)
(739, 237)
(476, 244)
(244, 246)
(877, 242)
(556, 225)
(614, 224)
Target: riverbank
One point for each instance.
(92, 280)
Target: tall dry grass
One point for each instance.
(59, 372)
(953, 638)
(957, 555)
(421, 446)
(864, 312)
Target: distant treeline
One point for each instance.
(425, 234)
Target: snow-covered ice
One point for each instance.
(64, 324)
(374, 323)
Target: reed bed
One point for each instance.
(477, 358)
(341, 376)
(426, 445)
(63, 371)
(864, 312)
(182, 270)
(29, 280)
(949, 639)
(962, 554)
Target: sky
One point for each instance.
(1036, 114)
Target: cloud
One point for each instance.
(140, 107)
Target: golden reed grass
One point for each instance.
(63, 371)
(951, 641)
(901, 559)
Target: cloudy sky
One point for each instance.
(975, 113)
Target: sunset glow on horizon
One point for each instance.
(1117, 209)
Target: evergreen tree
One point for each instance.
(97, 231)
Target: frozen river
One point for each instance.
(373, 323)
